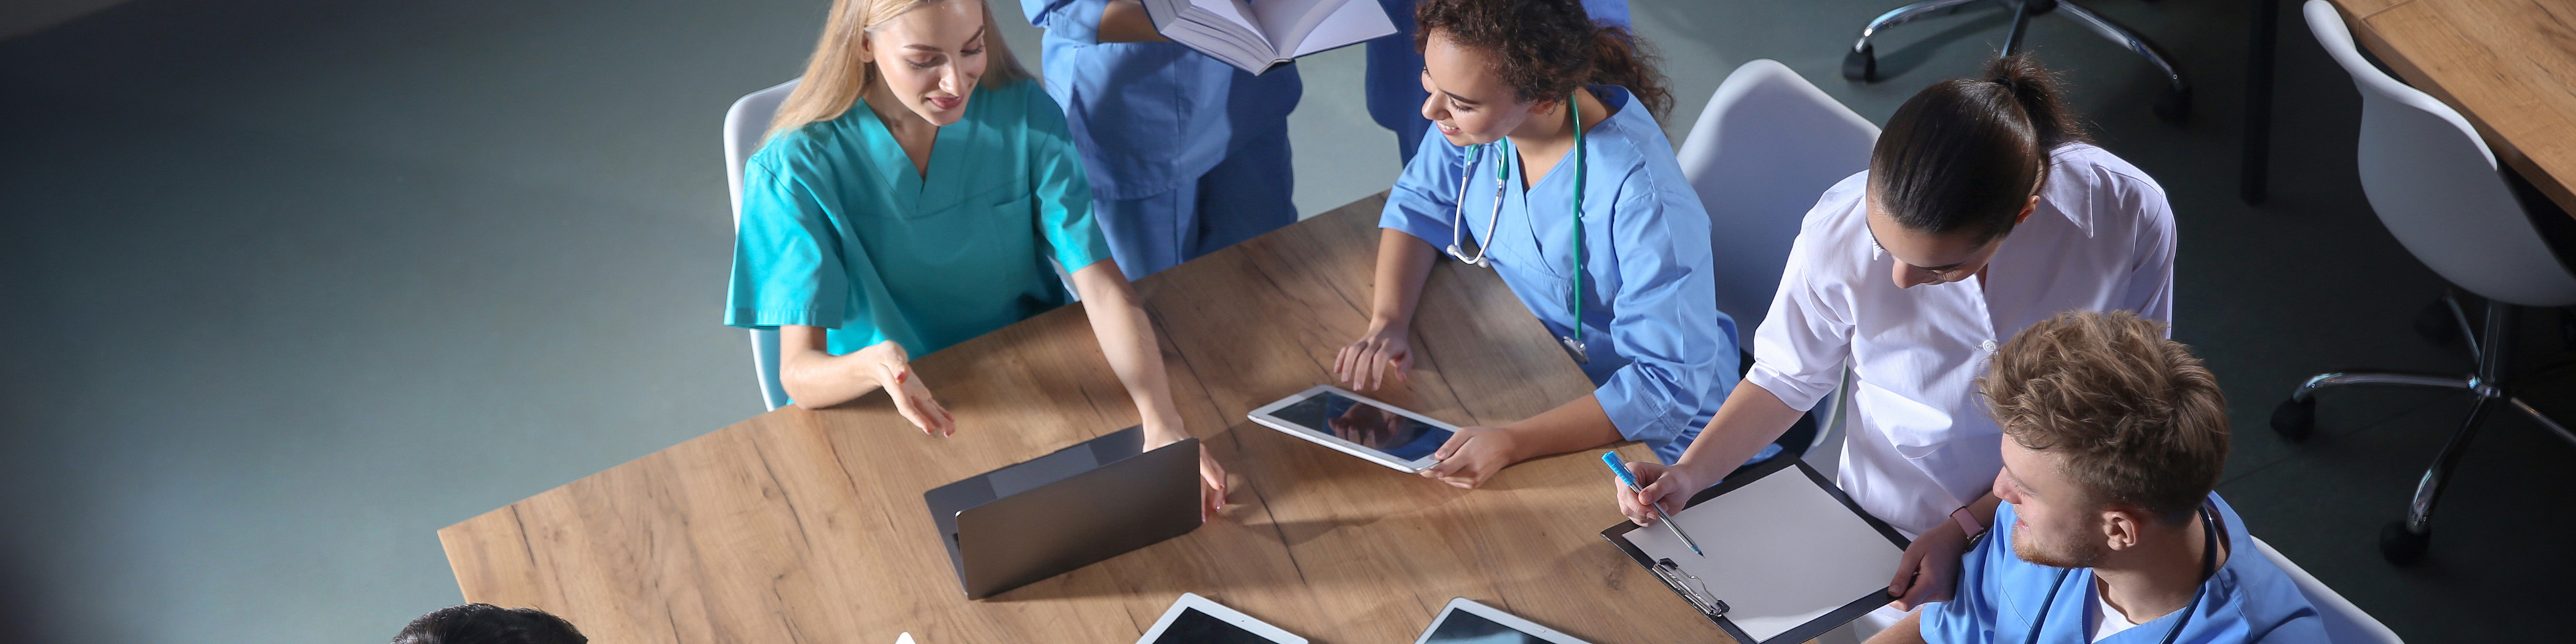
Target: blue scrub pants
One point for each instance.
(1394, 81)
(1247, 194)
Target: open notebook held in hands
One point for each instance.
(1257, 35)
(1789, 555)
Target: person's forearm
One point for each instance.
(1751, 418)
(815, 378)
(1403, 262)
(1126, 337)
(1579, 424)
(1984, 508)
(1905, 631)
(1126, 21)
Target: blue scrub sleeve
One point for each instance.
(1969, 616)
(1425, 196)
(787, 257)
(1680, 348)
(1074, 20)
(1063, 189)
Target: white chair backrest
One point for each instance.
(744, 125)
(2345, 623)
(2435, 185)
(1766, 147)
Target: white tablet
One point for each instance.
(1468, 622)
(1354, 424)
(1198, 620)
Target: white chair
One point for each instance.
(2437, 188)
(2345, 623)
(1768, 144)
(744, 125)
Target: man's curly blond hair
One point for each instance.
(2137, 419)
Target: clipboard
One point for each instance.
(1781, 499)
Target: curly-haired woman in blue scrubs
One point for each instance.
(1550, 168)
(911, 195)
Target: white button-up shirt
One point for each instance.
(1922, 442)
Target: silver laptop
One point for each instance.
(1082, 504)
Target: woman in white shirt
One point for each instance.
(1963, 241)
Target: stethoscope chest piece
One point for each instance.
(1574, 348)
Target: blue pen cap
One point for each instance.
(1620, 468)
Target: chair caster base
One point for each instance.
(2173, 105)
(2401, 546)
(2435, 324)
(1861, 64)
(2295, 419)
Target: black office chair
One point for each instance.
(2173, 106)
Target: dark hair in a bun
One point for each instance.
(1964, 154)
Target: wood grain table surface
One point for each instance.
(809, 526)
(2507, 65)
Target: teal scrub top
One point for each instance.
(838, 230)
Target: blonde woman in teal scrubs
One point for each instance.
(908, 200)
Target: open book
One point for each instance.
(1259, 34)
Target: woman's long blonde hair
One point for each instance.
(835, 77)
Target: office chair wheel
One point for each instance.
(2436, 325)
(1861, 64)
(2567, 327)
(2401, 546)
(2295, 419)
(2172, 105)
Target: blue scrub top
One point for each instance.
(839, 231)
(1661, 353)
(1151, 117)
(2249, 600)
(1394, 83)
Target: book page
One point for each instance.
(1234, 12)
(1354, 21)
(1781, 552)
(1282, 21)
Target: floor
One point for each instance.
(414, 261)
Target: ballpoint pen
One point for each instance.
(1621, 469)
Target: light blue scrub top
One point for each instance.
(839, 231)
(2249, 600)
(1659, 350)
(1150, 117)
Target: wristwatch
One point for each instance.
(1968, 524)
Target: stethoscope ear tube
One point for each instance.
(1573, 344)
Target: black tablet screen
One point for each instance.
(1194, 627)
(1368, 425)
(1463, 627)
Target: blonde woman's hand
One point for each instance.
(892, 368)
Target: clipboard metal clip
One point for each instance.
(1690, 586)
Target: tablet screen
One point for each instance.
(1463, 627)
(1365, 424)
(1194, 627)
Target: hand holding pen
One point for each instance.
(1620, 468)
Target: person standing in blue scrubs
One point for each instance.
(1187, 154)
(1571, 193)
(907, 200)
(1394, 83)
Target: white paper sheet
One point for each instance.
(1781, 552)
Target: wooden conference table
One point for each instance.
(2509, 66)
(809, 526)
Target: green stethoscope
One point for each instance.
(1502, 171)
